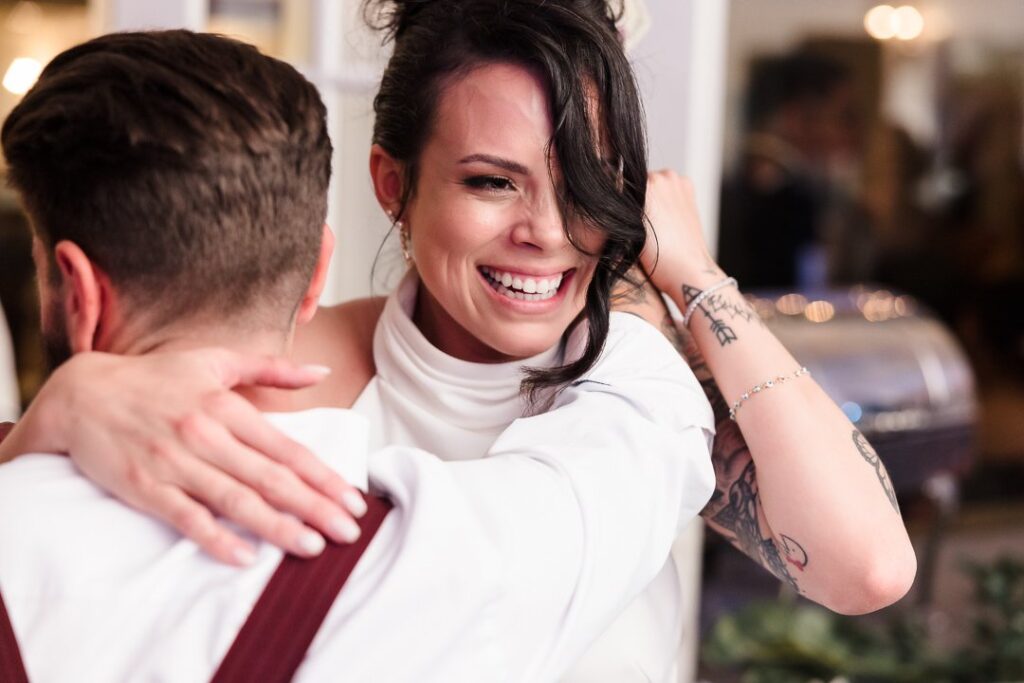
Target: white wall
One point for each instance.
(680, 64)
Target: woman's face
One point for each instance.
(500, 279)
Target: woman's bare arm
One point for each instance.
(809, 499)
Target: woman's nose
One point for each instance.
(542, 225)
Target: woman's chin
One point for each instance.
(524, 347)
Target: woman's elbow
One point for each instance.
(884, 580)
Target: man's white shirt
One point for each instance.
(504, 568)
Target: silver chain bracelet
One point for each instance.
(758, 388)
(697, 300)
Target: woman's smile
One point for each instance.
(516, 285)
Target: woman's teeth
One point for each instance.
(524, 289)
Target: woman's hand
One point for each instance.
(676, 250)
(165, 433)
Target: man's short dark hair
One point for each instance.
(191, 168)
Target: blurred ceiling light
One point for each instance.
(884, 22)
(22, 74)
(909, 22)
(878, 22)
(24, 17)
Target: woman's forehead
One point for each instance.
(497, 109)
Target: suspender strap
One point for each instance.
(273, 641)
(12, 669)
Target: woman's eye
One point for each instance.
(493, 183)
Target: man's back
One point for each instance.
(98, 592)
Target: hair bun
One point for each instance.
(393, 17)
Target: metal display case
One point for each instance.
(895, 370)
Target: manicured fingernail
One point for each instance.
(312, 543)
(345, 529)
(317, 369)
(353, 500)
(244, 556)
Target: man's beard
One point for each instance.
(56, 346)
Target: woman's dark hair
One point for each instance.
(574, 46)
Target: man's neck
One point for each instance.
(189, 338)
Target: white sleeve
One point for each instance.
(579, 506)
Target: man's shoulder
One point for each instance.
(34, 488)
(36, 492)
(35, 468)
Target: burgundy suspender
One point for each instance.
(12, 669)
(283, 622)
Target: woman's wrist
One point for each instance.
(44, 428)
(685, 287)
(31, 434)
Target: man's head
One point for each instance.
(173, 180)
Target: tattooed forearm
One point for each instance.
(869, 454)
(735, 509)
(741, 518)
(717, 307)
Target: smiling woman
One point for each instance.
(513, 155)
(509, 150)
(501, 279)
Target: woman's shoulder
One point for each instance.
(341, 337)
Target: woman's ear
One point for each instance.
(388, 178)
(311, 299)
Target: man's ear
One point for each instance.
(387, 175)
(311, 299)
(86, 295)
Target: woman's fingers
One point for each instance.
(247, 425)
(235, 501)
(268, 481)
(234, 369)
(195, 522)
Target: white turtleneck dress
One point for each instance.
(456, 410)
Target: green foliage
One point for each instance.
(997, 649)
(783, 642)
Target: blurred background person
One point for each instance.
(785, 194)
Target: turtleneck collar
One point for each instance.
(432, 392)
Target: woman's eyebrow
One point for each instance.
(507, 164)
